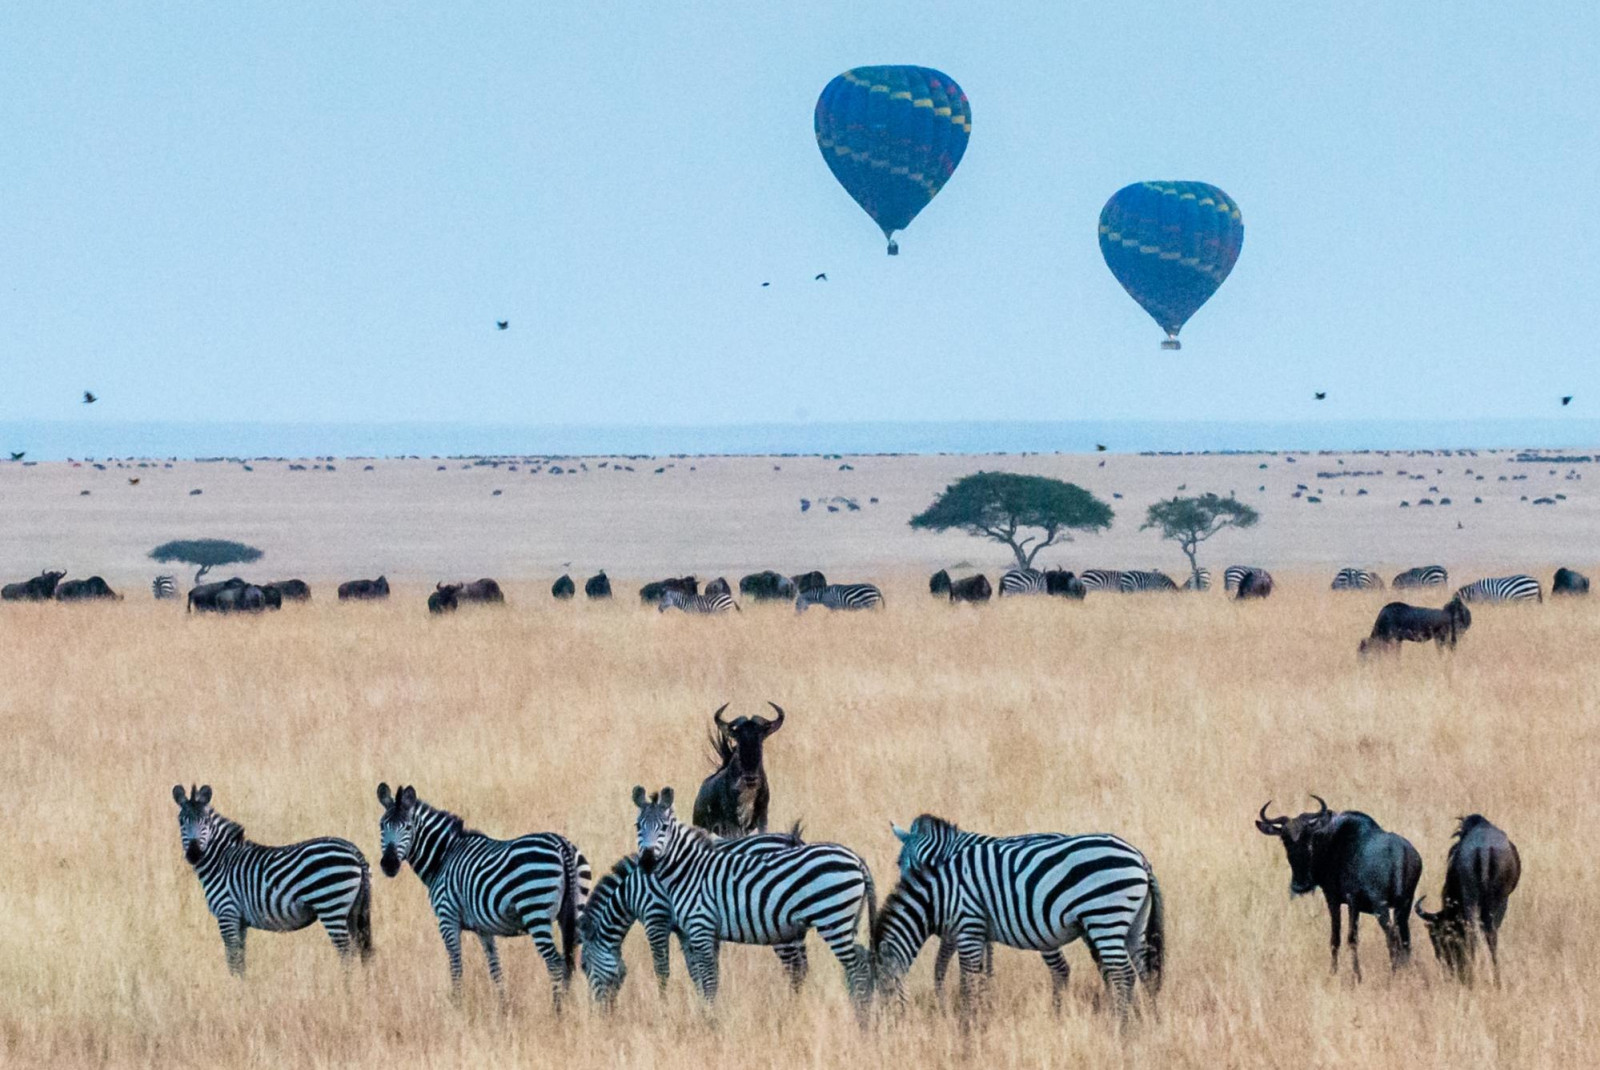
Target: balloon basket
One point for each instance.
(894, 248)
(1172, 343)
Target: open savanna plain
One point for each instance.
(1168, 719)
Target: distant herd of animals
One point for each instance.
(726, 879)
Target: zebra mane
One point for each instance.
(895, 903)
(228, 830)
(696, 834)
(935, 823)
(602, 893)
(457, 823)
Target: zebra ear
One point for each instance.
(203, 796)
(899, 833)
(639, 797)
(385, 796)
(666, 798)
(408, 795)
(177, 794)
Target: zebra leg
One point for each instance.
(450, 932)
(972, 944)
(660, 937)
(700, 954)
(233, 943)
(338, 929)
(941, 964)
(840, 936)
(1060, 973)
(1116, 967)
(795, 963)
(491, 953)
(545, 941)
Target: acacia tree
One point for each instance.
(1191, 521)
(205, 553)
(1003, 506)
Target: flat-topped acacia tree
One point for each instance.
(206, 554)
(1006, 507)
(1191, 521)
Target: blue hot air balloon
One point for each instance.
(892, 137)
(1170, 244)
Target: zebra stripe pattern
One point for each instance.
(486, 886)
(1134, 581)
(1519, 588)
(274, 889)
(1101, 579)
(1020, 581)
(1198, 581)
(1036, 893)
(771, 898)
(1233, 574)
(627, 895)
(164, 587)
(717, 602)
(1423, 576)
(1357, 579)
(840, 596)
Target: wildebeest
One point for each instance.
(651, 593)
(484, 590)
(1256, 583)
(719, 586)
(204, 597)
(768, 586)
(1060, 582)
(564, 587)
(85, 590)
(939, 583)
(1399, 623)
(292, 590)
(445, 598)
(597, 586)
(229, 596)
(1568, 582)
(42, 588)
(1481, 872)
(359, 590)
(809, 581)
(972, 589)
(733, 800)
(1356, 864)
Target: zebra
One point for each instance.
(1357, 579)
(718, 602)
(1519, 588)
(840, 596)
(764, 898)
(164, 587)
(1422, 576)
(1234, 573)
(487, 886)
(274, 889)
(1199, 580)
(627, 894)
(1022, 581)
(1151, 580)
(1101, 579)
(1037, 893)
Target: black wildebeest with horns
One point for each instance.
(1481, 873)
(650, 594)
(42, 588)
(597, 586)
(1568, 582)
(364, 590)
(768, 586)
(292, 590)
(733, 800)
(972, 589)
(563, 588)
(85, 590)
(1399, 623)
(809, 581)
(446, 598)
(939, 583)
(1356, 864)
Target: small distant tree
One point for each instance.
(205, 553)
(1003, 506)
(1191, 521)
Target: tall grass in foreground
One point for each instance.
(1168, 720)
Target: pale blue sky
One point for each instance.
(316, 212)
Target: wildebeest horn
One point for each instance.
(1322, 803)
(779, 722)
(439, 586)
(1423, 914)
(716, 718)
(1270, 826)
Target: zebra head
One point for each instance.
(657, 825)
(605, 923)
(925, 843)
(397, 826)
(197, 822)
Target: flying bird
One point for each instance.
(1099, 447)
(765, 285)
(89, 398)
(1321, 395)
(1567, 400)
(19, 456)
(133, 482)
(822, 276)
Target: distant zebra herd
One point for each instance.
(1036, 892)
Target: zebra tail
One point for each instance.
(361, 915)
(571, 906)
(1155, 939)
(872, 927)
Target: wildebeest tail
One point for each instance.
(361, 915)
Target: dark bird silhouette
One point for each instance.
(822, 276)
(1099, 447)
(89, 398)
(765, 285)
(1567, 400)
(1321, 395)
(19, 456)
(1102, 464)
(134, 482)
(502, 324)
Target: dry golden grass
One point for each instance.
(1168, 720)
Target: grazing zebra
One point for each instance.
(164, 587)
(1357, 579)
(274, 889)
(1519, 588)
(712, 602)
(1101, 579)
(1150, 580)
(487, 886)
(718, 896)
(1199, 580)
(1022, 581)
(627, 894)
(840, 596)
(1234, 573)
(1036, 893)
(1423, 576)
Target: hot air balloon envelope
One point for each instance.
(1170, 244)
(893, 136)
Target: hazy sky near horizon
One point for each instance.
(317, 211)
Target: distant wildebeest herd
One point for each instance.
(726, 879)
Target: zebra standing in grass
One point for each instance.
(1357, 579)
(1022, 581)
(1233, 574)
(1101, 579)
(840, 596)
(1199, 580)
(719, 601)
(1134, 581)
(627, 895)
(274, 889)
(164, 587)
(1422, 576)
(1036, 893)
(1519, 588)
(487, 886)
(718, 896)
